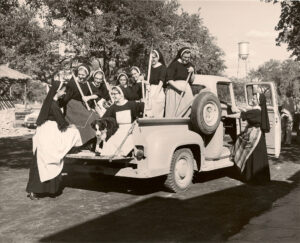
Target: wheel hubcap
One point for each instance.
(183, 172)
(181, 168)
(210, 114)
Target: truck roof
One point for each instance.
(210, 81)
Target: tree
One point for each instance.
(7, 5)
(125, 30)
(285, 74)
(289, 26)
(25, 44)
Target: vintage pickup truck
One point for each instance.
(177, 147)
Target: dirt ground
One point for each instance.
(215, 208)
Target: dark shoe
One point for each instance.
(33, 196)
(55, 195)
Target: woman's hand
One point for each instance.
(235, 109)
(142, 78)
(235, 115)
(106, 104)
(191, 69)
(55, 97)
(85, 98)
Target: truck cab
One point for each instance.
(177, 147)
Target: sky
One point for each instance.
(234, 21)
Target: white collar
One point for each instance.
(257, 107)
(123, 103)
(96, 85)
(157, 65)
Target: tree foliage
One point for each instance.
(285, 74)
(123, 29)
(288, 26)
(7, 5)
(126, 29)
(25, 44)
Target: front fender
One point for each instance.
(160, 146)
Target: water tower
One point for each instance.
(243, 59)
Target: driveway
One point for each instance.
(215, 208)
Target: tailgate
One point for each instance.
(90, 156)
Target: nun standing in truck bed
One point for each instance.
(177, 73)
(157, 82)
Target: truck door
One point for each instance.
(273, 138)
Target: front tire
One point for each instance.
(181, 171)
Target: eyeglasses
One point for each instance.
(186, 57)
(115, 93)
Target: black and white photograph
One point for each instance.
(149, 121)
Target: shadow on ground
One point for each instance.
(16, 152)
(101, 183)
(114, 184)
(206, 218)
(289, 153)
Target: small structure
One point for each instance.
(8, 77)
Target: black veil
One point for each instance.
(179, 53)
(43, 116)
(161, 57)
(265, 124)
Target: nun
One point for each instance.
(53, 139)
(76, 110)
(250, 151)
(179, 93)
(122, 80)
(135, 90)
(125, 112)
(157, 82)
(100, 92)
(99, 89)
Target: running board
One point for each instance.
(214, 165)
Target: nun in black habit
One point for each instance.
(177, 73)
(53, 139)
(76, 111)
(250, 150)
(157, 82)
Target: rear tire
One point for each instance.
(181, 172)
